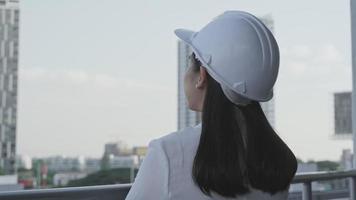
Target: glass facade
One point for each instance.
(9, 34)
(342, 113)
(186, 117)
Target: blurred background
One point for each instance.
(86, 84)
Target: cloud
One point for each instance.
(67, 108)
(80, 77)
(298, 67)
(299, 51)
(328, 54)
(306, 60)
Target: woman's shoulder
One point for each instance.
(174, 138)
(176, 144)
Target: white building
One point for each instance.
(118, 148)
(140, 152)
(9, 45)
(9, 183)
(123, 161)
(187, 117)
(346, 159)
(65, 164)
(92, 165)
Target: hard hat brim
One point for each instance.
(185, 35)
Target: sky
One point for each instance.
(93, 72)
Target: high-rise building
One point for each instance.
(269, 106)
(9, 43)
(187, 117)
(342, 114)
(346, 159)
(65, 164)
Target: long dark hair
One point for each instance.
(238, 148)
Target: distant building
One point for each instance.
(92, 165)
(117, 149)
(65, 164)
(187, 117)
(9, 47)
(123, 161)
(140, 152)
(345, 164)
(346, 159)
(342, 113)
(9, 183)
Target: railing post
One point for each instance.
(352, 187)
(307, 191)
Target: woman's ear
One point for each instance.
(201, 83)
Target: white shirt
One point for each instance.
(166, 171)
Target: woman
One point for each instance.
(234, 153)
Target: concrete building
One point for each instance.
(65, 164)
(9, 183)
(187, 117)
(123, 161)
(9, 45)
(346, 159)
(117, 149)
(342, 114)
(92, 165)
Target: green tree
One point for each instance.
(2, 171)
(104, 177)
(326, 165)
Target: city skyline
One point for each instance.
(95, 77)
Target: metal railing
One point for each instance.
(307, 178)
(100, 192)
(119, 191)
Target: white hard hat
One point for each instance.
(239, 52)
